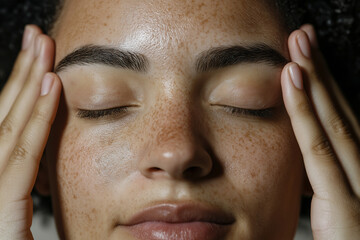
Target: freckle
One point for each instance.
(66, 209)
(221, 130)
(205, 21)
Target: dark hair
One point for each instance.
(337, 23)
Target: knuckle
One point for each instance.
(41, 115)
(20, 153)
(304, 108)
(6, 127)
(340, 127)
(322, 147)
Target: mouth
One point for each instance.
(180, 221)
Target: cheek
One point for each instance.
(86, 164)
(71, 171)
(263, 163)
(256, 154)
(93, 158)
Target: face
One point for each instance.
(172, 125)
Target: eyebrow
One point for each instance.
(221, 57)
(97, 54)
(212, 59)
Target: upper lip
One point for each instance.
(181, 213)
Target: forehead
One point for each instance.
(166, 26)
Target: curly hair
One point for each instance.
(337, 23)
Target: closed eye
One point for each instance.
(259, 113)
(101, 113)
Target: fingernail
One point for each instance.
(295, 76)
(38, 46)
(46, 84)
(304, 45)
(312, 36)
(26, 41)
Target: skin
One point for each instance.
(177, 143)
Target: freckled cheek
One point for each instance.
(89, 166)
(95, 158)
(258, 159)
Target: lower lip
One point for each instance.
(179, 231)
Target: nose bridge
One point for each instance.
(174, 127)
(175, 149)
(175, 123)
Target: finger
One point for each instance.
(339, 132)
(14, 123)
(310, 31)
(323, 170)
(19, 175)
(20, 70)
(330, 81)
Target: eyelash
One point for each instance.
(259, 113)
(96, 114)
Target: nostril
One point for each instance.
(154, 169)
(193, 172)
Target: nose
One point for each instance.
(177, 149)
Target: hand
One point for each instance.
(328, 135)
(28, 105)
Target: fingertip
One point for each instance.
(51, 82)
(34, 27)
(45, 49)
(44, 40)
(309, 29)
(294, 50)
(294, 73)
(292, 38)
(291, 75)
(51, 92)
(57, 82)
(306, 26)
(285, 72)
(30, 33)
(303, 44)
(46, 84)
(29, 38)
(285, 80)
(299, 46)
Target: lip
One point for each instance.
(180, 221)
